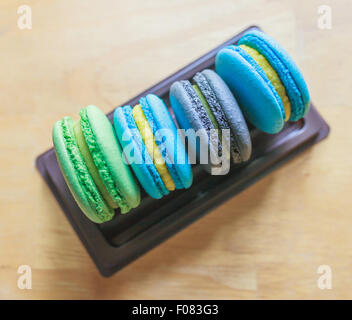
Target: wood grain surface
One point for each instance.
(268, 242)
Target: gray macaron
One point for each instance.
(221, 111)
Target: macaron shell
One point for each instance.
(136, 153)
(184, 116)
(253, 92)
(112, 154)
(190, 118)
(285, 66)
(233, 113)
(162, 118)
(86, 195)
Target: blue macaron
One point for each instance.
(207, 105)
(162, 167)
(266, 100)
(168, 140)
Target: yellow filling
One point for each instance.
(273, 77)
(153, 150)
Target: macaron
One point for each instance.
(265, 80)
(91, 162)
(207, 105)
(153, 146)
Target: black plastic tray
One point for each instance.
(116, 243)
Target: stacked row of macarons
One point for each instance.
(104, 163)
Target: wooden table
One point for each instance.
(268, 242)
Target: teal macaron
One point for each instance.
(153, 147)
(266, 81)
(91, 162)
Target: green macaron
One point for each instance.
(92, 164)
